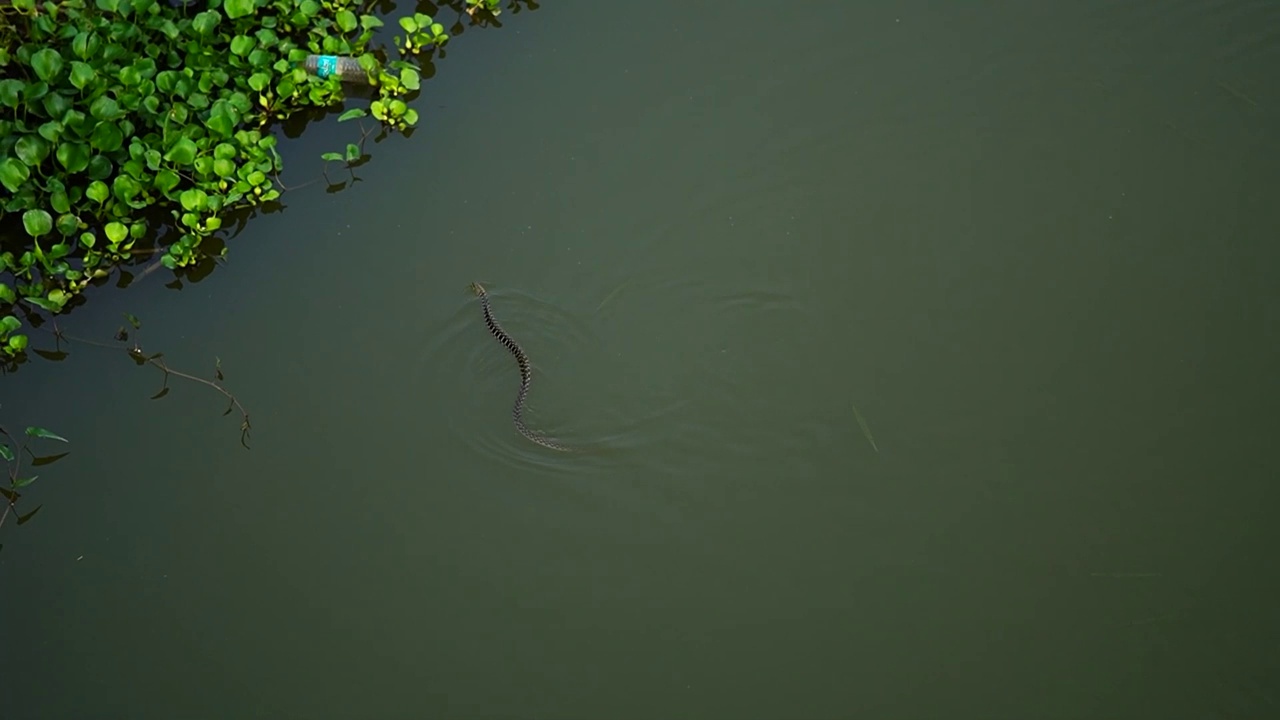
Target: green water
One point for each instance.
(1032, 243)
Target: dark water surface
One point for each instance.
(1034, 243)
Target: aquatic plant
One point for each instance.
(135, 128)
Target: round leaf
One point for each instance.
(116, 232)
(238, 8)
(105, 108)
(68, 224)
(410, 78)
(82, 74)
(166, 180)
(47, 63)
(37, 222)
(31, 149)
(51, 131)
(241, 44)
(183, 152)
(73, 156)
(205, 22)
(106, 137)
(97, 191)
(194, 199)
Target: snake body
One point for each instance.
(526, 371)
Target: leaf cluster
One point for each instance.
(125, 120)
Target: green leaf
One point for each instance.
(221, 125)
(37, 222)
(67, 224)
(166, 180)
(204, 23)
(6, 295)
(47, 63)
(242, 44)
(11, 92)
(410, 78)
(411, 117)
(238, 8)
(18, 343)
(124, 187)
(353, 152)
(130, 76)
(13, 173)
(51, 131)
(73, 156)
(347, 20)
(9, 323)
(97, 191)
(82, 74)
(259, 80)
(45, 303)
(40, 432)
(105, 108)
(106, 137)
(31, 149)
(183, 152)
(194, 199)
(86, 45)
(170, 30)
(59, 201)
(99, 168)
(224, 168)
(20, 483)
(116, 232)
(331, 157)
(352, 113)
(6, 453)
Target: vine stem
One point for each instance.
(137, 355)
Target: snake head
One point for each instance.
(476, 288)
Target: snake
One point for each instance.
(526, 371)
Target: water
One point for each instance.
(1031, 243)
